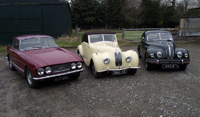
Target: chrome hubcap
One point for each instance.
(29, 77)
(10, 64)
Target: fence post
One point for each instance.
(123, 33)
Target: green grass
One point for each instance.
(3, 48)
(133, 35)
(62, 43)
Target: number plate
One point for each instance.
(168, 66)
(119, 72)
(61, 78)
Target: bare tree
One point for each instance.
(198, 3)
(190, 4)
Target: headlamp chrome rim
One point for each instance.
(40, 71)
(159, 54)
(152, 55)
(73, 65)
(186, 55)
(106, 61)
(179, 54)
(48, 70)
(128, 59)
(79, 65)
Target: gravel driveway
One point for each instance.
(156, 93)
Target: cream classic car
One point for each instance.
(100, 51)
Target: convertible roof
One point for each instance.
(96, 32)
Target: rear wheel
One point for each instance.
(29, 77)
(183, 67)
(96, 74)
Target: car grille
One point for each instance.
(60, 68)
(170, 52)
(118, 59)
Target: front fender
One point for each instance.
(98, 60)
(135, 59)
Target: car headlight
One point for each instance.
(152, 55)
(159, 54)
(48, 70)
(186, 55)
(179, 54)
(79, 65)
(106, 60)
(73, 66)
(40, 71)
(128, 59)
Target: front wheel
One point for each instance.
(96, 74)
(11, 66)
(133, 71)
(183, 67)
(75, 76)
(79, 54)
(29, 77)
(147, 65)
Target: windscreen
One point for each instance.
(102, 37)
(37, 43)
(159, 36)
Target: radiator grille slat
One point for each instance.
(60, 68)
(170, 52)
(118, 59)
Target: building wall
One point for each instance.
(50, 18)
(189, 27)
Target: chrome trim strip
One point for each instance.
(17, 66)
(118, 69)
(55, 75)
(170, 54)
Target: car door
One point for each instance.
(15, 56)
(142, 45)
(86, 48)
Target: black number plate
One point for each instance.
(119, 72)
(169, 66)
(61, 78)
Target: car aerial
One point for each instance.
(158, 48)
(100, 50)
(39, 58)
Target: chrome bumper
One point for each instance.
(56, 75)
(107, 70)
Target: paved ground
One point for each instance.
(148, 93)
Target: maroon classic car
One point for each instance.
(38, 58)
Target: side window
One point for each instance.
(86, 39)
(15, 44)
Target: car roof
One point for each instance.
(21, 37)
(96, 32)
(157, 31)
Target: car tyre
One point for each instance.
(148, 66)
(96, 74)
(29, 77)
(133, 71)
(75, 76)
(11, 66)
(79, 54)
(183, 67)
